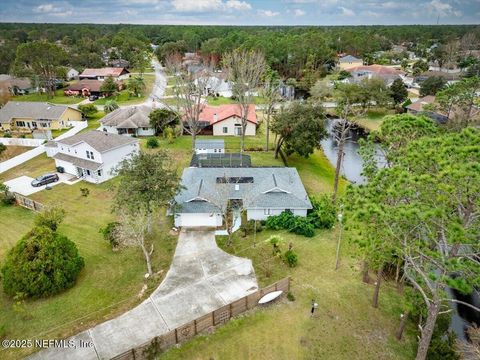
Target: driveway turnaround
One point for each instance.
(201, 279)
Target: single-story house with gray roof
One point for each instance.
(209, 146)
(130, 121)
(262, 192)
(92, 156)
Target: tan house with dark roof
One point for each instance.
(30, 115)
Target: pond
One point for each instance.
(352, 168)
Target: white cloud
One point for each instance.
(299, 12)
(47, 8)
(209, 5)
(268, 13)
(370, 13)
(237, 5)
(347, 12)
(437, 7)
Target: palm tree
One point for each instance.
(110, 106)
(136, 85)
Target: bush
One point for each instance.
(290, 296)
(302, 226)
(7, 135)
(51, 218)
(291, 258)
(84, 192)
(275, 241)
(442, 346)
(297, 224)
(323, 214)
(248, 227)
(108, 233)
(42, 263)
(88, 110)
(169, 134)
(283, 221)
(152, 143)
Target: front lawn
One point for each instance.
(124, 98)
(109, 284)
(37, 166)
(345, 325)
(224, 100)
(59, 98)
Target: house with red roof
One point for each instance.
(102, 73)
(226, 120)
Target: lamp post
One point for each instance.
(337, 261)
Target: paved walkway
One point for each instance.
(202, 278)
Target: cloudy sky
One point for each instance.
(243, 12)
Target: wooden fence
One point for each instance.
(203, 324)
(27, 202)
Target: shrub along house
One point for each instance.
(26, 116)
(92, 156)
(131, 121)
(262, 192)
(225, 120)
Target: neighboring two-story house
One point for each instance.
(132, 121)
(92, 156)
(225, 120)
(102, 73)
(30, 115)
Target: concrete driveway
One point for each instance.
(201, 279)
(22, 184)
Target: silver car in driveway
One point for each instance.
(45, 179)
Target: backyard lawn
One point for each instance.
(345, 325)
(13, 151)
(37, 166)
(373, 118)
(123, 98)
(109, 284)
(59, 98)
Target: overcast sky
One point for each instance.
(243, 12)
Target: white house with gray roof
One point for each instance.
(92, 156)
(131, 121)
(209, 146)
(261, 191)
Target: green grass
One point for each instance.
(94, 121)
(345, 325)
(224, 100)
(373, 118)
(37, 166)
(107, 286)
(123, 98)
(59, 98)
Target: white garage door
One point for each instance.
(195, 220)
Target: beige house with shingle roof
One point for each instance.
(30, 115)
(131, 121)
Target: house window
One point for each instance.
(88, 172)
(145, 129)
(20, 123)
(34, 124)
(267, 212)
(214, 150)
(90, 155)
(225, 130)
(44, 125)
(99, 172)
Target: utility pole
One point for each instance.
(337, 262)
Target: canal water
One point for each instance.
(352, 167)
